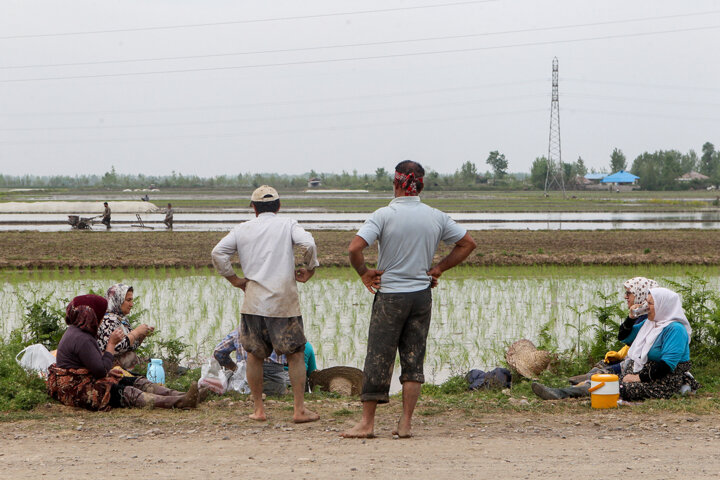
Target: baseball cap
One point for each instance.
(264, 193)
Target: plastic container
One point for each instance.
(604, 390)
(155, 371)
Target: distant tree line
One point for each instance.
(657, 171)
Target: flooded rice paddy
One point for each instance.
(473, 318)
(226, 220)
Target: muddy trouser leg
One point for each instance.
(389, 314)
(147, 386)
(134, 397)
(413, 338)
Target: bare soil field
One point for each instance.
(218, 440)
(192, 249)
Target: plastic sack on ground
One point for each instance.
(213, 377)
(35, 358)
(238, 380)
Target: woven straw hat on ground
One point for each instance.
(343, 380)
(526, 359)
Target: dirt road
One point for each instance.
(220, 442)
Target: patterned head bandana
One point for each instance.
(408, 182)
(640, 287)
(116, 297)
(85, 312)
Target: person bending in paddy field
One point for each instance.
(408, 234)
(271, 317)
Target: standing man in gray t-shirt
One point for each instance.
(408, 234)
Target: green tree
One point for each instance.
(580, 167)
(110, 179)
(617, 160)
(498, 163)
(709, 160)
(380, 173)
(538, 172)
(468, 170)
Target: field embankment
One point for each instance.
(192, 249)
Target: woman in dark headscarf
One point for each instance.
(84, 377)
(119, 304)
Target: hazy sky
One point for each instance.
(227, 87)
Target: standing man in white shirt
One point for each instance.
(271, 310)
(408, 233)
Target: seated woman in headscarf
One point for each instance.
(83, 375)
(636, 292)
(120, 302)
(658, 361)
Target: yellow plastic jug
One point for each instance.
(604, 390)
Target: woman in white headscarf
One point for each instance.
(658, 361)
(659, 355)
(636, 291)
(120, 302)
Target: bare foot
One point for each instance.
(403, 430)
(305, 416)
(360, 430)
(258, 416)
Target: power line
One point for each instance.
(352, 45)
(273, 117)
(642, 114)
(370, 57)
(274, 104)
(278, 132)
(641, 85)
(240, 22)
(641, 99)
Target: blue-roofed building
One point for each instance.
(621, 177)
(596, 177)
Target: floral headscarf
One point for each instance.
(640, 287)
(116, 297)
(85, 312)
(408, 182)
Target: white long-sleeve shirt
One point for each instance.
(265, 248)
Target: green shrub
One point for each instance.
(44, 322)
(453, 385)
(19, 390)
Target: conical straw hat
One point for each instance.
(342, 380)
(526, 359)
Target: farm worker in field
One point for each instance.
(106, 215)
(636, 292)
(271, 318)
(120, 302)
(408, 234)
(658, 361)
(169, 216)
(84, 375)
(275, 376)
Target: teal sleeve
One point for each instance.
(635, 329)
(310, 365)
(674, 348)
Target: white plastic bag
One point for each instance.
(35, 358)
(213, 377)
(238, 379)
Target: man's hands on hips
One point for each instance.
(238, 282)
(371, 279)
(434, 273)
(302, 275)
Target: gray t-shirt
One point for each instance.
(408, 234)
